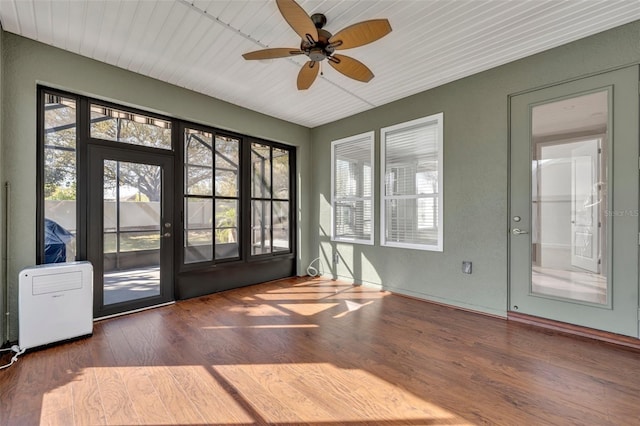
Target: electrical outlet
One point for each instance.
(466, 266)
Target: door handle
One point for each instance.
(517, 231)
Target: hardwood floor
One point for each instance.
(316, 351)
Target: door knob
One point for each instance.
(166, 234)
(517, 231)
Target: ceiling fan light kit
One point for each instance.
(319, 44)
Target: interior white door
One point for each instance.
(585, 205)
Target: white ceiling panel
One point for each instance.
(43, 24)
(26, 21)
(197, 44)
(93, 21)
(115, 41)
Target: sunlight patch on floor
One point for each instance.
(266, 326)
(322, 392)
(307, 309)
(313, 295)
(235, 394)
(352, 307)
(262, 310)
(160, 395)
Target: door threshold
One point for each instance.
(575, 330)
(119, 314)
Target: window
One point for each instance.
(211, 167)
(411, 202)
(351, 189)
(127, 127)
(235, 194)
(270, 200)
(59, 183)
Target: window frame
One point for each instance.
(41, 173)
(183, 272)
(184, 165)
(434, 119)
(370, 138)
(89, 103)
(250, 198)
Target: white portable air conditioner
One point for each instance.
(55, 303)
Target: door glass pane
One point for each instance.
(131, 231)
(569, 198)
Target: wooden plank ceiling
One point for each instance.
(198, 45)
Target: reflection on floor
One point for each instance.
(576, 285)
(132, 284)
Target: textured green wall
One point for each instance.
(475, 175)
(476, 166)
(3, 283)
(27, 63)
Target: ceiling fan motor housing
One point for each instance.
(319, 20)
(321, 49)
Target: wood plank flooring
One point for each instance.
(316, 351)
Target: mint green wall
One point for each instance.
(27, 63)
(3, 336)
(475, 180)
(475, 175)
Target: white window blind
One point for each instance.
(351, 189)
(411, 205)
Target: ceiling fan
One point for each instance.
(319, 44)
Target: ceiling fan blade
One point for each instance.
(298, 19)
(307, 75)
(360, 34)
(278, 52)
(351, 68)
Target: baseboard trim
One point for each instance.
(575, 330)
